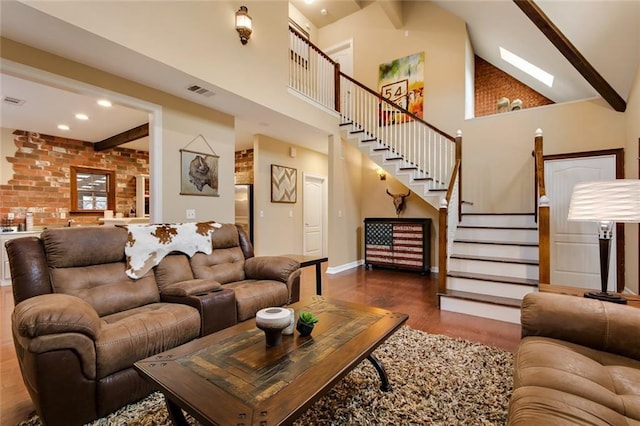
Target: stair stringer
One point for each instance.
(394, 164)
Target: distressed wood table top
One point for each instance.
(231, 377)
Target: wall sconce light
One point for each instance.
(381, 173)
(243, 24)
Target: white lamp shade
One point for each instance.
(616, 201)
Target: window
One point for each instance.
(92, 190)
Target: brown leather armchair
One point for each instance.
(578, 363)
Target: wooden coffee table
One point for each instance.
(232, 378)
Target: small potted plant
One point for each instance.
(306, 321)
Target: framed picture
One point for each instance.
(198, 173)
(283, 184)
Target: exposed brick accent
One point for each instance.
(244, 166)
(491, 84)
(41, 177)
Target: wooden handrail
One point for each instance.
(393, 105)
(542, 214)
(443, 231)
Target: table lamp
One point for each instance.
(606, 202)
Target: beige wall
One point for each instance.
(7, 147)
(345, 211)
(181, 122)
(631, 155)
(279, 226)
(199, 38)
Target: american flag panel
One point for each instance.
(395, 244)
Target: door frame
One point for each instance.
(618, 153)
(323, 179)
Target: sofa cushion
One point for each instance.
(172, 269)
(225, 237)
(129, 336)
(83, 246)
(253, 295)
(607, 380)
(536, 406)
(224, 265)
(105, 287)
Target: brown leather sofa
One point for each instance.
(80, 322)
(578, 363)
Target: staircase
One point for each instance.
(419, 181)
(492, 259)
(493, 264)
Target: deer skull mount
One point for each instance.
(399, 201)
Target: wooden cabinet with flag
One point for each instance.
(398, 243)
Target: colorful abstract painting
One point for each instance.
(401, 81)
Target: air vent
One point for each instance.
(200, 90)
(12, 101)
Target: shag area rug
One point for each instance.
(435, 379)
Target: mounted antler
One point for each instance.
(398, 201)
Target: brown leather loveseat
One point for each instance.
(578, 363)
(80, 322)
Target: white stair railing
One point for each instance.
(430, 150)
(311, 72)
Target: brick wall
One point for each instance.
(244, 166)
(41, 177)
(491, 84)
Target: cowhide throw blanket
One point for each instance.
(147, 245)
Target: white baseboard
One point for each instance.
(345, 267)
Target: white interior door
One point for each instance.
(314, 214)
(342, 53)
(575, 258)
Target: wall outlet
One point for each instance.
(63, 215)
(191, 214)
(290, 213)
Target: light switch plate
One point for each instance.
(191, 214)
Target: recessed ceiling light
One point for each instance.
(526, 66)
(63, 127)
(82, 116)
(308, 1)
(104, 103)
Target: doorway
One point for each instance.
(342, 53)
(574, 245)
(314, 215)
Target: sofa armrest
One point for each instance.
(49, 314)
(598, 325)
(61, 327)
(277, 268)
(190, 287)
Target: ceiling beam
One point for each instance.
(122, 138)
(579, 62)
(394, 10)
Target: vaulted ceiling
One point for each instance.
(605, 33)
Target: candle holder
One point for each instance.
(272, 321)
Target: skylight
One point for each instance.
(528, 67)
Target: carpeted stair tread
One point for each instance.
(511, 228)
(493, 278)
(505, 243)
(495, 259)
(484, 298)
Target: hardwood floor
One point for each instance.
(405, 292)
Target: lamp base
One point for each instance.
(607, 297)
